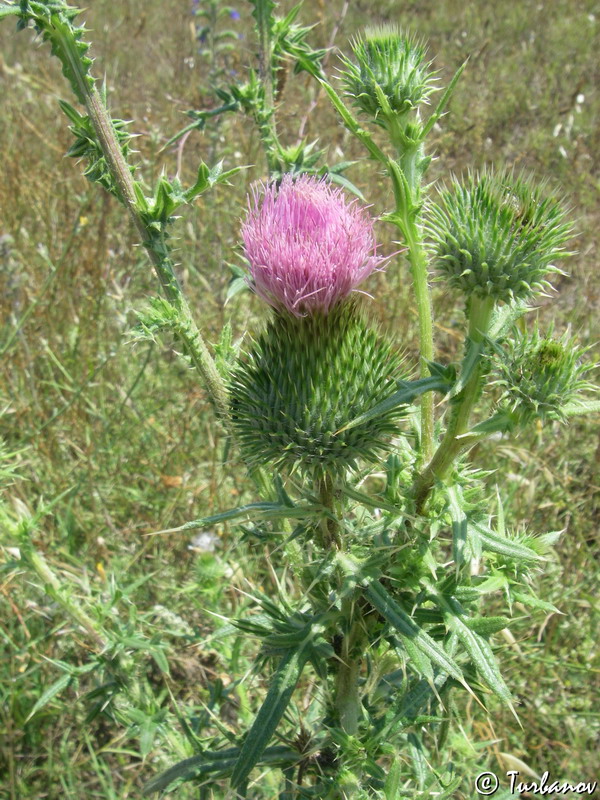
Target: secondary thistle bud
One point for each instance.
(307, 246)
(497, 236)
(307, 377)
(391, 73)
(541, 375)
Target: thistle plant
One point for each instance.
(378, 528)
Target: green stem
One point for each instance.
(265, 112)
(54, 588)
(455, 441)
(407, 186)
(330, 530)
(192, 338)
(418, 267)
(347, 700)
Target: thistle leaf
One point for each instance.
(481, 655)
(419, 660)
(278, 698)
(445, 99)
(448, 792)
(265, 510)
(408, 391)
(459, 525)
(495, 543)
(215, 763)
(405, 625)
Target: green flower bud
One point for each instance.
(307, 377)
(541, 375)
(497, 236)
(391, 74)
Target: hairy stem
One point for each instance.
(190, 334)
(347, 699)
(265, 113)
(407, 220)
(455, 441)
(53, 586)
(418, 266)
(330, 529)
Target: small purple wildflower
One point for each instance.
(308, 247)
(234, 14)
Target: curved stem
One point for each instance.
(454, 441)
(406, 174)
(188, 330)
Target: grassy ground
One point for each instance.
(124, 431)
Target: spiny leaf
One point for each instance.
(265, 510)
(445, 99)
(493, 542)
(481, 655)
(486, 626)
(352, 124)
(417, 757)
(418, 659)
(459, 524)
(448, 792)
(408, 391)
(391, 787)
(55, 21)
(581, 406)
(213, 762)
(399, 619)
(472, 358)
(278, 698)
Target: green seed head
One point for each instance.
(497, 236)
(541, 375)
(307, 377)
(390, 74)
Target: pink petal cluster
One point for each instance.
(308, 247)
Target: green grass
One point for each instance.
(124, 432)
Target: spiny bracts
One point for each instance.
(389, 65)
(303, 380)
(540, 375)
(496, 235)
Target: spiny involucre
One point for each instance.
(541, 375)
(391, 75)
(304, 380)
(496, 235)
(308, 246)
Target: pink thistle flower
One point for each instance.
(308, 247)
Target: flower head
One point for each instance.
(496, 235)
(308, 247)
(391, 75)
(541, 375)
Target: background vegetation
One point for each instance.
(124, 433)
